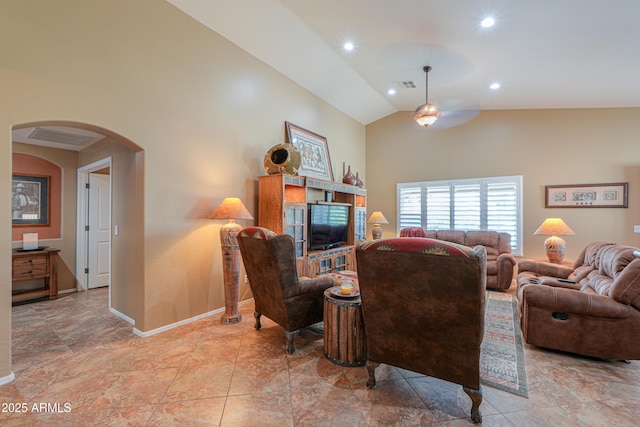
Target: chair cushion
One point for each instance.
(257, 233)
(489, 239)
(412, 232)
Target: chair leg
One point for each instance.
(291, 347)
(476, 400)
(371, 369)
(257, 315)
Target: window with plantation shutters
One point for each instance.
(465, 204)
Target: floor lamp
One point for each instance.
(231, 208)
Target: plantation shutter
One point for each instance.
(438, 204)
(467, 204)
(503, 209)
(409, 202)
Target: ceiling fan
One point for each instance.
(447, 113)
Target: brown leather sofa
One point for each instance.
(500, 261)
(423, 304)
(292, 302)
(591, 308)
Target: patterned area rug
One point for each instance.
(501, 355)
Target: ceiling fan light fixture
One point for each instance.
(426, 114)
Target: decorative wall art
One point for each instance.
(614, 195)
(30, 200)
(314, 151)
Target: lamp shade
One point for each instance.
(554, 227)
(232, 208)
(377, 218)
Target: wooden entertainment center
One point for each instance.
(282, 208)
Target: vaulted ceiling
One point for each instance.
(544, 54)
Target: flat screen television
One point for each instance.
(327, 225)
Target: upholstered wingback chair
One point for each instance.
(423, 303)
(270, 262)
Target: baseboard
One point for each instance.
(122, 316)
(183, 322)
(67, 291)
(7, 379)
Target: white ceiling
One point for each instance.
(544, 53)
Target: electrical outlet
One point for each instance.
(636, 228)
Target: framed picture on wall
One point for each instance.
(613, 195)
(314, 152)
(29, 200)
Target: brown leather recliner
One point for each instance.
(500, 261)
(591, 308)
(423, 303)
(270, 262)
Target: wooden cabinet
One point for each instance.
(331, 260)
(35, 265)
(282, 208)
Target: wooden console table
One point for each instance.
(37, 264)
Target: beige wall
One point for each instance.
(67, 161)
(5, 253)
(203, 111)
(127, 213)
(547, 147)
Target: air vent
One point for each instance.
(408, 84)
(57, 136)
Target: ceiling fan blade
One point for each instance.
(455, 112)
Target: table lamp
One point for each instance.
(231, 208)
(376, 219)
(554, 246)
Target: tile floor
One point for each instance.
(86, 364)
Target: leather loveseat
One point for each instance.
(500, 261)
(591, 308)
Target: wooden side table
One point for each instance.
(29, 265)
(344, 339)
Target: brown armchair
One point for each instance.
(270, 262)
(423, 303)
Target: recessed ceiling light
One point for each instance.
(391, 91)
(348, 46)
(487, 22)
(494, 86)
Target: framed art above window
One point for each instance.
(613, 195)
(314, 152)
(30, 200)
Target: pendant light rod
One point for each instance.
(426, 70)
(426, 114)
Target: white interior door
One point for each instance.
(99, 238)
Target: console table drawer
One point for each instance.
(30, 272)
(25, 262)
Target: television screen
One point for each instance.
(327, 225)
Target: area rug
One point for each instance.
(502, 355)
